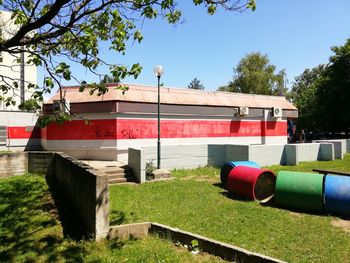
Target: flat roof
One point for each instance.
(175, 96)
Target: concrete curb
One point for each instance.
(220, 249)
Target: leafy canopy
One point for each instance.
(196, 84)
(53, 32)
(322, 94)
(255, 75)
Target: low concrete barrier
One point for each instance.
(193, 156)
(340, 147)
(308, 152)
(13, 164)
(85, 189)
(179, 157)
(220, 249)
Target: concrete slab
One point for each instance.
(103, 164)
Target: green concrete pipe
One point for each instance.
(299, 191)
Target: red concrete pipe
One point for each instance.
(251, 183)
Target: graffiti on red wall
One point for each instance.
(129, 134)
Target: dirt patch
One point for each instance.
(344, 224)
(200, 178)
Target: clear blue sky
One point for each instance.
(295, 34)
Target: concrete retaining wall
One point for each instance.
(85, 189)
(193, 156)
(180, 157)
(308, 152)
(262, 154)
(13, 164)
(340, 147)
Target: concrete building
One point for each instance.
(104, 127)
(14, 70)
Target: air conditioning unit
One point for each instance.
(241, 111)
(277, 112)
(61, 106)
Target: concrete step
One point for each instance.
(117, 175)
(112, 171)
(124, 175)
(120, 180)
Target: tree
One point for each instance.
(304, 96)
(333, 91)
(196, 84)
(53, 32)
(322, 94)
(255, 75)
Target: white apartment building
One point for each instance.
(11, 67)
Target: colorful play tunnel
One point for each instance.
(251, 183)
(337, 195)
(300, 191)
(227, 167)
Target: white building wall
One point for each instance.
(9, 67)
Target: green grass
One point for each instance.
(336, 165)
(195, 202)
(31, 231)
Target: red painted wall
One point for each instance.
(23, 133)
(147, 129)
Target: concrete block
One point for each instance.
(216, 155)
(135, 161)
(124, 232)
(223, 250)
(13, 164)
(266, 155)
(340, 147)
(86, 190)
(290, 154)
(326, 152)
(236, 152)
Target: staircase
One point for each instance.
(118, 175)
(117, 172)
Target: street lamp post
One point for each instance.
(158, 71)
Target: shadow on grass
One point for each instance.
(71, 222)
(117, 217)
(31, 223)
(235, 197)
(26, 212)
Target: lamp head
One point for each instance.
(158, 71)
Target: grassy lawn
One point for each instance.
(195, 202)
(31, 231)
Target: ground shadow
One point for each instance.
(235, 197)
(72, 224)
(30, 223)
(220, 185)
(117, 217)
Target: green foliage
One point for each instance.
(255, 75)
(194, 202)
(322, 94)
(333, 91)
(304, 95)
(29, 105)
(150, 167)
(55, 32)
(196, 84)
